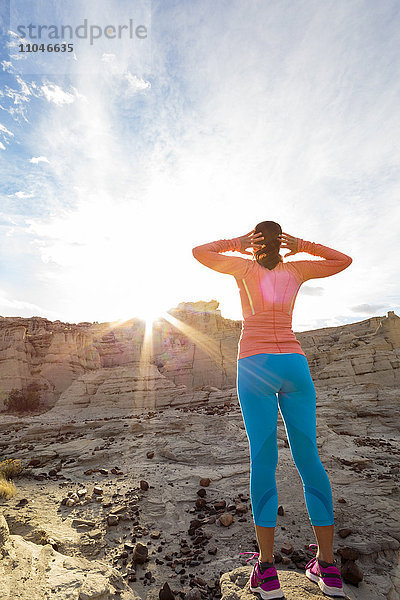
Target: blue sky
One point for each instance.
(115, 166)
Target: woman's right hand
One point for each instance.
(290, 242)
(251, 239)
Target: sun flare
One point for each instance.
(149, 314)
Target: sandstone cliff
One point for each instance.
(195, 347)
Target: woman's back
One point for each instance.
(268, 296)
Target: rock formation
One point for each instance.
(136, 476)
(194, 346)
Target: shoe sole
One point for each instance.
(268, 595)
(323, 587)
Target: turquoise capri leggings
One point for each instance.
(264, 383)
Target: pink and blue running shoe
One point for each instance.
(265, 583)
(327, 578)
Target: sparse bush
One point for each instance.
(26, 399)
(10, 468)
(7, 488)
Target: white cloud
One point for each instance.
(18, 97)
(22, 308)
(312, 291)
(21, 195)
(54, 93)
(7, 66)
(4, 129)
(367, 308)
(2, 146)
(38, 159)
(136, 83)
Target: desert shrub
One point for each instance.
(7, 488)
(26, 399)
(10, 468)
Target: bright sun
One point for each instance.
(149, 314)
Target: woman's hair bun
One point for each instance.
(268, 256)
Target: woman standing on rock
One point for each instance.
(272, 373)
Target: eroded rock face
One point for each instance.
(52, 354)
(194, 346)
(32, 571)
(364, 352)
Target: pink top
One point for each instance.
(268, 297)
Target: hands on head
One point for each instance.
(290, 242)
(256, 240)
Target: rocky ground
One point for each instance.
(155, 504)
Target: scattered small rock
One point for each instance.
(205, 481)
(140, 553)
(112, 519)
(351, 573)
(298, 556)
(241, 509)
(155, 534)
(226, 519)
(166, 593)
(200, 503)
(287, 548)
(344, 532)
(23, 502)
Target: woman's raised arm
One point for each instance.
(210, 254)
(334, 262)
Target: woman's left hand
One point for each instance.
(251, 239)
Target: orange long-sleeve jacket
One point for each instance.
(268, 296)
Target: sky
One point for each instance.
(117, 158)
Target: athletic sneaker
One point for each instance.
(328, 578)
(265, 583)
